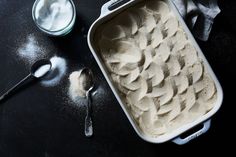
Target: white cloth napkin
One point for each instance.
(199, 15)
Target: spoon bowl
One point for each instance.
(40, 68)
(88, 84)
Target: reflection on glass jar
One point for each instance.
(54, 17)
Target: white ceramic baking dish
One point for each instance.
(106, 14)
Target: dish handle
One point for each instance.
(205, 128)
(112, 6)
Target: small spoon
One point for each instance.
(88, 85)
(38, 70)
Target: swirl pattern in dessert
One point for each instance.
(156, 68)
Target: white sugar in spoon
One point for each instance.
(38, 70)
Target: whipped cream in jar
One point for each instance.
(54, 17)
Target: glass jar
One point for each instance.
(52, 32)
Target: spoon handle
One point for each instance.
(88, 130)
(12, 89)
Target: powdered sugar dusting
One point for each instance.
(30, 51)
(58, 70)
(97, 96)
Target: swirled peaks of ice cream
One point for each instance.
(157, 70)
(54, 15)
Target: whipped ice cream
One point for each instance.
(156, 69)
(54, 15)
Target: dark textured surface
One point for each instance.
(42, 122)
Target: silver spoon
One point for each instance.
(88, 85)
(38, 70)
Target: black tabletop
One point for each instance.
(40, 121)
